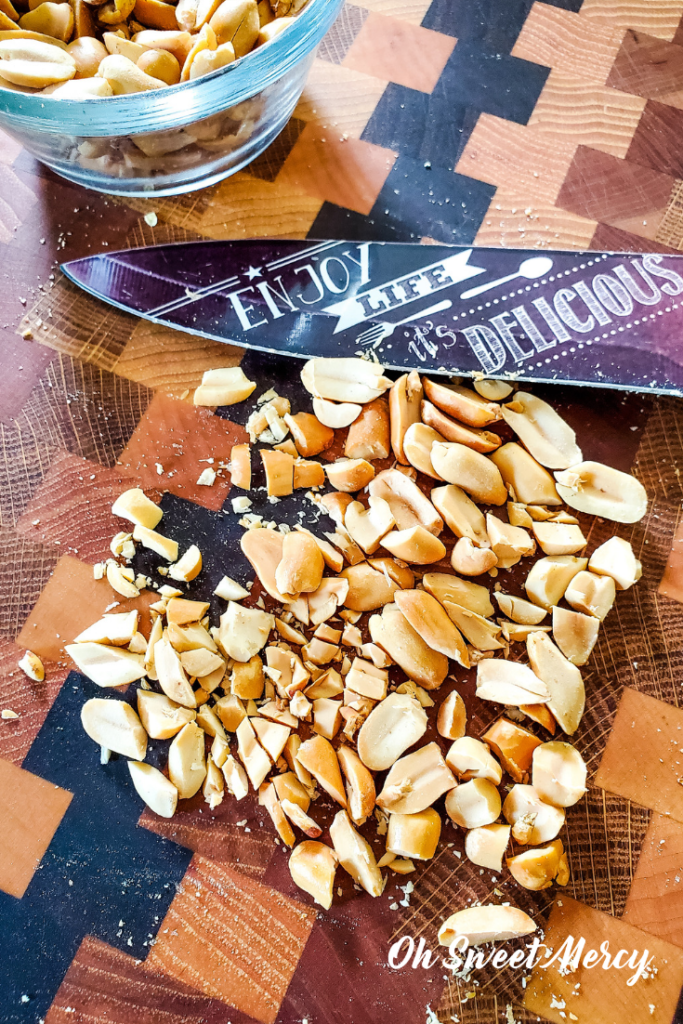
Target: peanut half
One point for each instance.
(416, 781)
(551, 440)
(356, 855)
(409, 506)
(462, 404)
(395, 724)
(405, 399)
(158, 792)
(486, 845)
(473, 804)
(344, 380)
(603, 491)
(313, 866)
(225, 386)
(483, 924)
(533, 820)
(114, 724)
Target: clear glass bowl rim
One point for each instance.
(178, 105)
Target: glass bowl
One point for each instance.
(180, 138)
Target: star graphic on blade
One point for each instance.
(253, 272)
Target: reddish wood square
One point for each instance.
(30, 700)
(72, 507)
(30, 810)
(346, 172)
(399, 52)
(672, 581)
(232, 939)
(104, 984)
(615, 240)
(176, 435)
(656, 140)
(647, 66)
(643, 759)
(605, 188)
(595, 995)
(231, 834)
(72, 600)
(655, 902)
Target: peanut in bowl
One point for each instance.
(184, 114)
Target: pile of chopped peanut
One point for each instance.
(336, 684)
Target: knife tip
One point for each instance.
(70, 269)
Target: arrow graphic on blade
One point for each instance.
(370, 304)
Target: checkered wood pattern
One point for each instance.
(540, 124)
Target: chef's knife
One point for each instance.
(608, 319)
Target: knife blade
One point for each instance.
(601, 318)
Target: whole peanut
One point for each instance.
(35, 74)
(160, 64)
(156, 14)
(125, 77)
(237, 22)
(51, 19)
(88, 52)
(125, 47)
(211, 60)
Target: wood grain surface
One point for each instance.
(555, 123)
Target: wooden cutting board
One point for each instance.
(535, 124)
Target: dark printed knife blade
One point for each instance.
(601, 318)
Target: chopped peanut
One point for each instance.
(320, 675)
(240, 466)
(279, 469)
